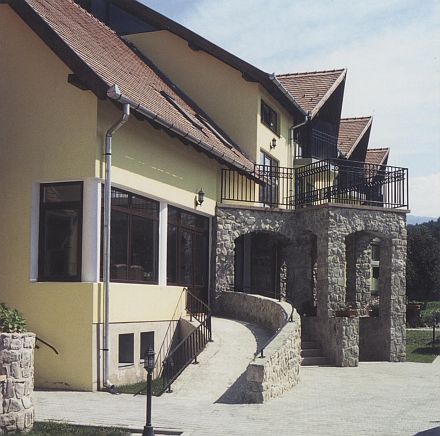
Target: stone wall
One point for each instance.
(330, 226)
(255, 309)
(345, 341)
(278, 371)
(16, 381)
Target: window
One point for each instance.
(60, 232)
(187, 253)
(147, 340)
(126, 349)
(134, 238)
(269, 117)
(270, 174)
(375, 266)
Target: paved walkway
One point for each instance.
(373, 399)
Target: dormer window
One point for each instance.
(269, 117)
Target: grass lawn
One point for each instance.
(419, 346)
(140, 388)
(56, 428)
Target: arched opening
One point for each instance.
(260, 264)
(363, 283)
(367, 289)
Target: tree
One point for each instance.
(423, 261)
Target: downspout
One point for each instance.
(106, 251)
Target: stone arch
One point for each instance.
(260, 263)
(233, 223)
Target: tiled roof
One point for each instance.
(377, 156)
(311, 90)
(112, 61)
(351, 131)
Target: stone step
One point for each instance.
(309, 344)
(311, 352)
(315, 361)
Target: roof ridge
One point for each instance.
(309, 73)
(369, 117)
(378, 149)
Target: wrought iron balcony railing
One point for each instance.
(327, 181)
(321, 146)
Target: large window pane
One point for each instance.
(119, 246)
(134, 238)
(186, 259)
(172, 254)
(143, 249)
(60, 232)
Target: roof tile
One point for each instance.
(351, 131)
(377, 156)
(310, 90)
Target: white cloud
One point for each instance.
(423, 198)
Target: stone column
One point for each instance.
(392, 300)
(17, 381)
(336, 275)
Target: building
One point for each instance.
(223, 178)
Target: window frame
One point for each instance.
(130, 214)
(43, 207)
(272, 112)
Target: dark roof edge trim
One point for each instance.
(60, 47)
(114, 93)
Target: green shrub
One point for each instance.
(429, 318)
(11, 320)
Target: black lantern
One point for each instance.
(200, 197)
(273, 143)
(149, 359)
(149, 367)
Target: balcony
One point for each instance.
(321, 146)
(326, 181)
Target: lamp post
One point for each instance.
(149, 367)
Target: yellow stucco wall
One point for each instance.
(149, 161)
(40, 141)
(216, 87)
(52, 131)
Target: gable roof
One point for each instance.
(351, 131)
(101, 59)
(312, 89)
(377, 156)
(197, 42)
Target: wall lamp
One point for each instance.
(273, 143)
(200, 197)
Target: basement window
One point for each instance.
(126, 349)
(147, 340)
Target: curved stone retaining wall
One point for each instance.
(16, 381)
(278, 371)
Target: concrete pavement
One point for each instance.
(372, 399)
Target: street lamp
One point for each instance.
(149, 367)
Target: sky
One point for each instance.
(391, 49)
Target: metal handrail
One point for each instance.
(168, 338)
(187, 350)
(288, 319)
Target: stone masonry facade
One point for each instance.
(327, 260)
(16, 382)
(278, 370)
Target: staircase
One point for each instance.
(312, 355)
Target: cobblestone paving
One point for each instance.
(372, 399)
